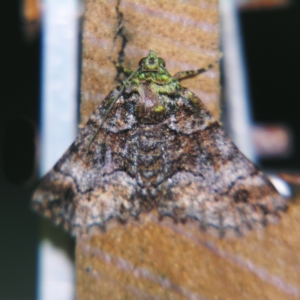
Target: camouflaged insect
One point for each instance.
(152, 145)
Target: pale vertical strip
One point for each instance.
(237, 99)
(56, 272)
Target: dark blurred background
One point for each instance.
(19, 119)
(271, 39)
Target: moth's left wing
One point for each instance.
(213, 182)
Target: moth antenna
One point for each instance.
(111, 106)
(104, 117)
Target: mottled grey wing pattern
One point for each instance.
(214, 183)
(88, 185)
(182, 165)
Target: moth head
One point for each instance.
(152, 63)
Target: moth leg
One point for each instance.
(186, 74)
(122, 69)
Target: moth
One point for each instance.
(152, 145)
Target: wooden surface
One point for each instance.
(163, 260)
(184, 34)
(152, 261)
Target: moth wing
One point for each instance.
(87, 186)
(215, 183)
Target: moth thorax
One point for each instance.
(149, 108)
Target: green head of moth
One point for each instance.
(152, 63)
(153, 68)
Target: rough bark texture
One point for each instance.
(163, 260)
